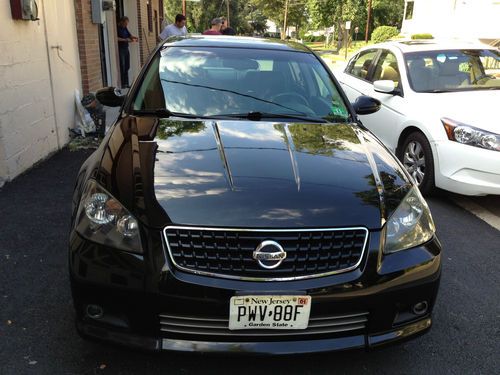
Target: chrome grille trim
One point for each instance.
(254, 230)
(198, 326)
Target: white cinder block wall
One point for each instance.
(39, 71)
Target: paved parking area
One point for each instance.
(486, 208)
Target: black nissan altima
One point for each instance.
(239, 205)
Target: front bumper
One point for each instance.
(367, 342)
(466, 169)
(134, 290)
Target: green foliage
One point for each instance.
(250, 16)
(312, 38)
(199, 14)
(422, 36)
(274, 10)
(320, 139)
(387, 12)
(171, 128)
(327, 13)
(383, 33)
(257, 21)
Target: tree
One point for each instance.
(326, 13)
(257, 21)
(275, 11)
(174, 7)
(199, 14)
(388, 13)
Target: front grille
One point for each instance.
(228, 253)
(205, 326)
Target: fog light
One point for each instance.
(420, 308)
(94, 311)
(127, 226)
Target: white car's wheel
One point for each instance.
(416, 156)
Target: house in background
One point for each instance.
(457, 19)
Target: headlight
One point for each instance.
(410, 225)
(469, 135)
(102, 219)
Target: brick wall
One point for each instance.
(148, 39)
(88, 46)
(88, 39)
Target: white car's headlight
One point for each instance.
(410, 225)
(102, 219)
(469, 135)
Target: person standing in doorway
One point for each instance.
(176, 29)
(215, 29)
(124, 38)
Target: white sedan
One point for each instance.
(440, 110)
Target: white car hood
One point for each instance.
(476, 108)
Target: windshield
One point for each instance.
(453, 70)
(208, 82)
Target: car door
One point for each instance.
(355, 80)
(385, 123)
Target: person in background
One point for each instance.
(215, 29)
(124, 38)
(225, 29)
(176, 29)
(228, 31)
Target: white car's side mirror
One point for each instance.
(385, 86)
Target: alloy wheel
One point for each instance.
(414, 161)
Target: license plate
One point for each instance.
(269, 312)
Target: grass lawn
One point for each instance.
(331, 56)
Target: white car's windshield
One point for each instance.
(207, 81)
(453, 70)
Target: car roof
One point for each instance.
(407, 46)
(235, 42)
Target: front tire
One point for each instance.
(416, 156)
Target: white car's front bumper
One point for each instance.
(466, 169)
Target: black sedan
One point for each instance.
(238, 205)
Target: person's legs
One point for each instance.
(124, 65)
(127, 66)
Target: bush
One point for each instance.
(383, 33)
(312, 38)
(422, 36)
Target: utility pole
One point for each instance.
(285, 21)
(227, 20)
(184, 8)
(368, 20)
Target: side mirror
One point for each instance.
(385, 86)
(366, 105)
(110, 96)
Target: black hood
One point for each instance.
(265, 175)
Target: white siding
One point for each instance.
(463, 19)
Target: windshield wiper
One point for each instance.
(164, 113)
(437, 91)
(257, 116)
